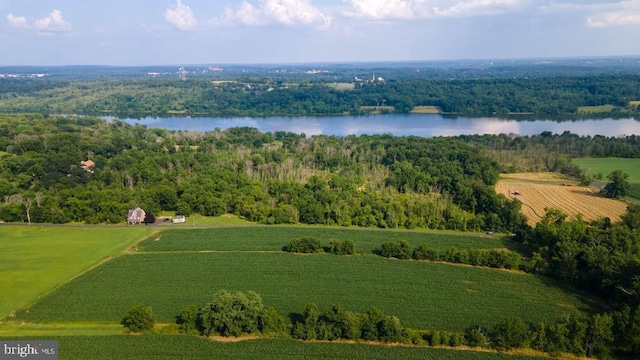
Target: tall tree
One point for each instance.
(619, 185)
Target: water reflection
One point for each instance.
(425, 125)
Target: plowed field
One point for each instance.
(538, 191)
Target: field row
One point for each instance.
(171, 347)
(273, 238)
(421, 294)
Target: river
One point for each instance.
(425, 125)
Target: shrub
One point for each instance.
(434, 339)
(389, 249)
(271, 322)
(339, 247)
(188, 319)
(510, 333)
(307, 244)
(475, 336)
(402, 250)
(139, 318)
(456, 340)
(420, 253)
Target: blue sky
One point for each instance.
(153, 32)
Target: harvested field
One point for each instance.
(538, 191)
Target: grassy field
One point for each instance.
(273, 238)
(169, 347)
(606, 166)
(199, 220)
(34, 260)
(538, 191)
(426, 110)
(421, 294)
(377, 109)
(596, 109)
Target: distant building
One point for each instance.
(87, 165)
(136, 216)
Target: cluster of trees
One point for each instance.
(334, 323)
(600, 257)
(305, 245)
(477, 257)
(552, 152)
(237, 314)
(552, 95)
(582, 335)
(271, 178)
(310, 244)
(232, 314)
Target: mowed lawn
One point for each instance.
(35, 259)
(172, 347)
(606, 166)
(421, 294)
(273, 238)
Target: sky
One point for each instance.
(159, 32)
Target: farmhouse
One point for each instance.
(87, 165)
(136, 216)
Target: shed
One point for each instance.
(179, 219)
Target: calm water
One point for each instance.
(425, 125)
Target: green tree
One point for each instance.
(619, 186)
(231, 314)
(188, 320)
(139, 318)
(271, 322)
(508, 334)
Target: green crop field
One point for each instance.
(421, 294)
(34, 260)
(273, 238)
(634, 191)
(606, 166)
(171, 347)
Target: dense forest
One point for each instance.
(380, 181)
(373, 181)
(562, 96)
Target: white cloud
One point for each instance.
(616, 14)
(282, 12)
(383, 9)
(54, 23)
(51, 24)
(181, 16)
(421, 9)
(479, 7)
(17, 21)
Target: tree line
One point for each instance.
(263, 96)
(238, 314)
(272, 178)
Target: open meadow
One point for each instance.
(34, 259)
(189, 266)
(538, 191)
(273, 238)
(606, 166)
(421, 294)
